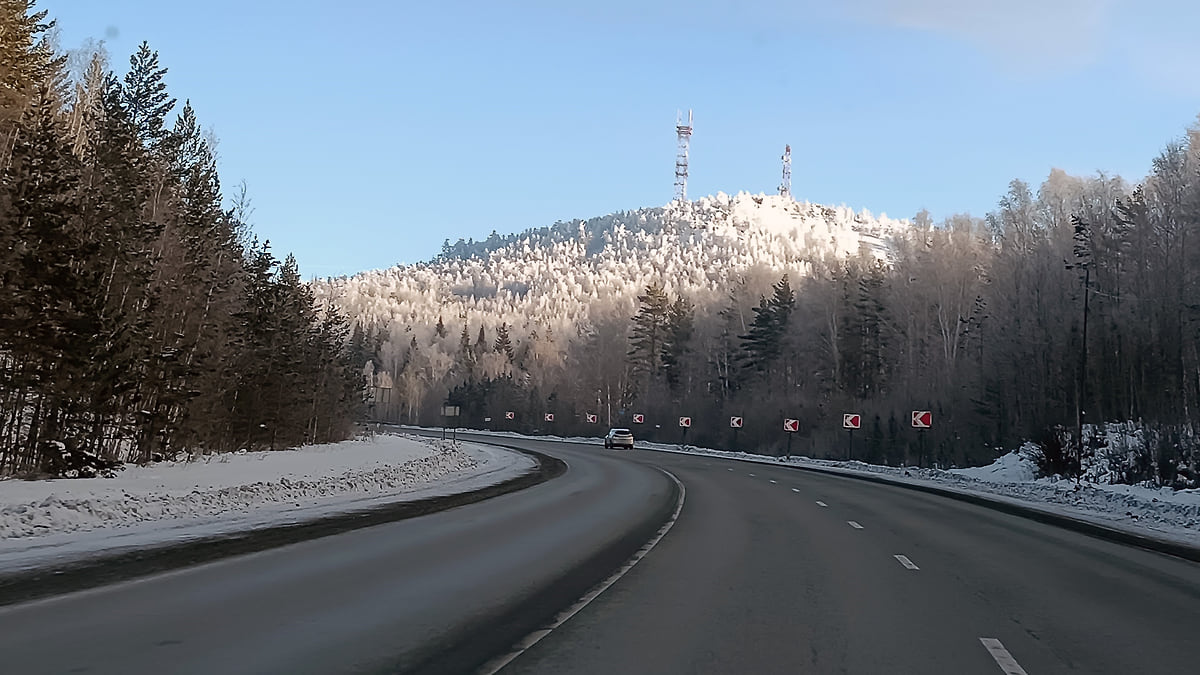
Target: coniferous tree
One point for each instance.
(676, 337)
(649, 332)
(504, 343)
(145, 97)
(763, 343)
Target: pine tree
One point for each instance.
(649, 332)
(146, 98)
(504, 343)
(763, 343)
(676, 337)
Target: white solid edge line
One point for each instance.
(1003, 659)
(903, 559)
(498, 664)
(854, 524)
(822, 504)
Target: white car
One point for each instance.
(619, 438)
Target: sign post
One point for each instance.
(685, 423)
(735, 423)
(791, 426)
(922, 420)
(850, 422)
(449, 411)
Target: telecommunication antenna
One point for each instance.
(683, 132)
(785, 188)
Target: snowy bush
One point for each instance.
(61, 460)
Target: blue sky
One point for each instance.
(369, 132)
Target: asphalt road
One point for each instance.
(436, 593)
(775, 570)
(767, 570)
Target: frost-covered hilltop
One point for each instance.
(576, 273)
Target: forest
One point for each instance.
(1071, 305)
(140, 317)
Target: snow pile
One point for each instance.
(1015, 467)
(222, 486)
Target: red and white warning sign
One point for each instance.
(735, 422)
(639, 418)
(549, 417)
(510, 415)
(791, 425)
(685, 422)
(851, 421)
(922, 419)
(591, 418)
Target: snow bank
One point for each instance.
(172, 501)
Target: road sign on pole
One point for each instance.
(549, 417)
(791, 425)
(685, 422)
(735, 422)
(851, 421)
(639, 418)
(510, 415)
(922, 419)
(592, 418)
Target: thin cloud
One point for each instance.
(1042, 35)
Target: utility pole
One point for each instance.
(1083, 258)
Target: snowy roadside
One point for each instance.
(54, 521)
(1158, 512)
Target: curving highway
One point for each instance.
(766, 570)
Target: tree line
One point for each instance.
(138, 316)
(1070, 305)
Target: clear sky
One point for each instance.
(370, 131)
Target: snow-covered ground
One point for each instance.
(55, 520)
(1159, 512)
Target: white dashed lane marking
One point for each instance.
(1003, 659)
(854, 525)
(795, 490)
(751, 475)
(772, 481)
(908, 564)
(822, 504)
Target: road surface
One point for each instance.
(766, 570)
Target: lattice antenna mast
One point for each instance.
(683, 132)
(785, 188)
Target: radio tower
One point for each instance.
(785, 188)
(684, 134)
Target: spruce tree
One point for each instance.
(649, 332)
(146, 98)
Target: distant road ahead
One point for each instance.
(767, 570)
